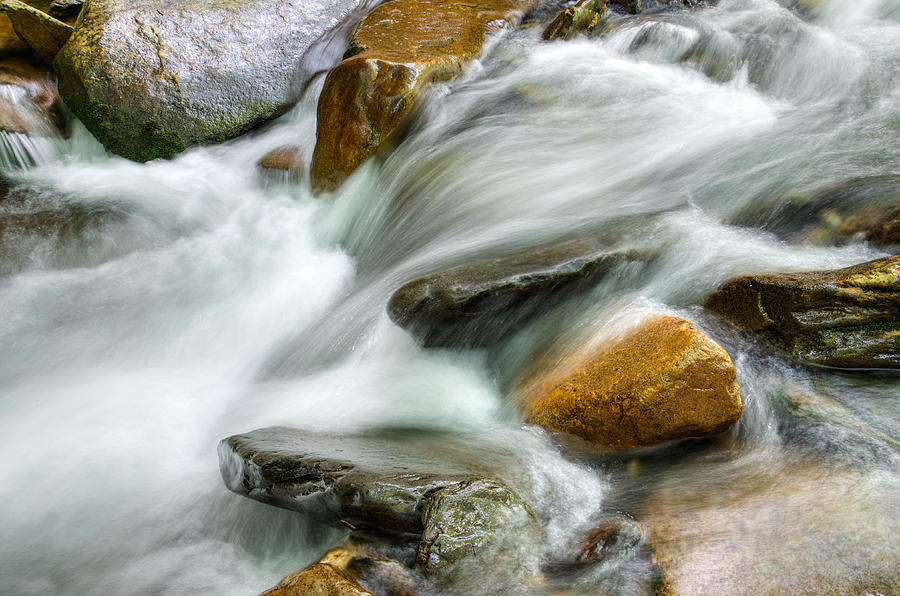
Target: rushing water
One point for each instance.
(193, 299)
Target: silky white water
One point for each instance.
(197, 299)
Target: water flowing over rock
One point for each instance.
(478, 304)
(398, 49)
(662, 381)
(150, 79)
(286, 160)
(844, 318)
(42, 33)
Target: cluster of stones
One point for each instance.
(149, 82)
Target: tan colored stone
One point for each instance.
(319, 579)
(583, 16)
(664, 380)
(41, 32)
(398, 49)
(287, 159)
(10, 44)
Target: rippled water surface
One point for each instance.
(196, 299)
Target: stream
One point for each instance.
(184, 301)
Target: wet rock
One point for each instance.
(149, 79)
(286, 160)
(583, 16)
(29, 102)
(478, 304)
(319, 579)
(372, 564)
(844, 318)
(379, 481)
(819, 216)
(664, 380)
(474, 528)
(398, 49)
(42, 33)
(10, 44)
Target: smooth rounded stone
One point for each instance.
(286, 160)
(818, 215)
(663, 380)
(151, 78)
(42, 33)
(479, 304)
(475, 528)
(848, 318)
(29, 102)
(319, 579)
(398, 49)
(380, 481)
(776, 526)
(581, 17)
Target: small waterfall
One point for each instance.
(28, 137)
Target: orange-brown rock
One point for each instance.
(319, 579)
(399, 48)
(877, 224)
(32, 105)
(664, 380)
(287, 159)
(42, 33)
(582, 16)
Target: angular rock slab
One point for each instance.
(400, 47)
(478, 304)
(151, 78)
(663, 381)
(378, 481)
(846, 318)
(42, 33)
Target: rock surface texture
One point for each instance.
(150, 79)
(319, 579)
(845, 318)
(664, 380)
(583, 16)
(398, 49)
(478, 304)
(42, 33)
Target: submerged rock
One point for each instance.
(832, 214)
(583, 16)
(844, 318)
(42, 33)
(398, 49)
(286, 160)
(664, 380)
(478, 304)
(149, 79)
(614, 538)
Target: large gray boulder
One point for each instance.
(151, 78)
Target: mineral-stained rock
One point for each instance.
(845, 318)
(44, 34)
(287, 160)
(478, 304)
(583, 16)
(149, 79)
(664, 380)
(398, 49)
(319, 579)
(379, 481)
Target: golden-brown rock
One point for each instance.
(41, 32)
(664, 380)
(400, 47)
(878, 224)
(319, 579)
